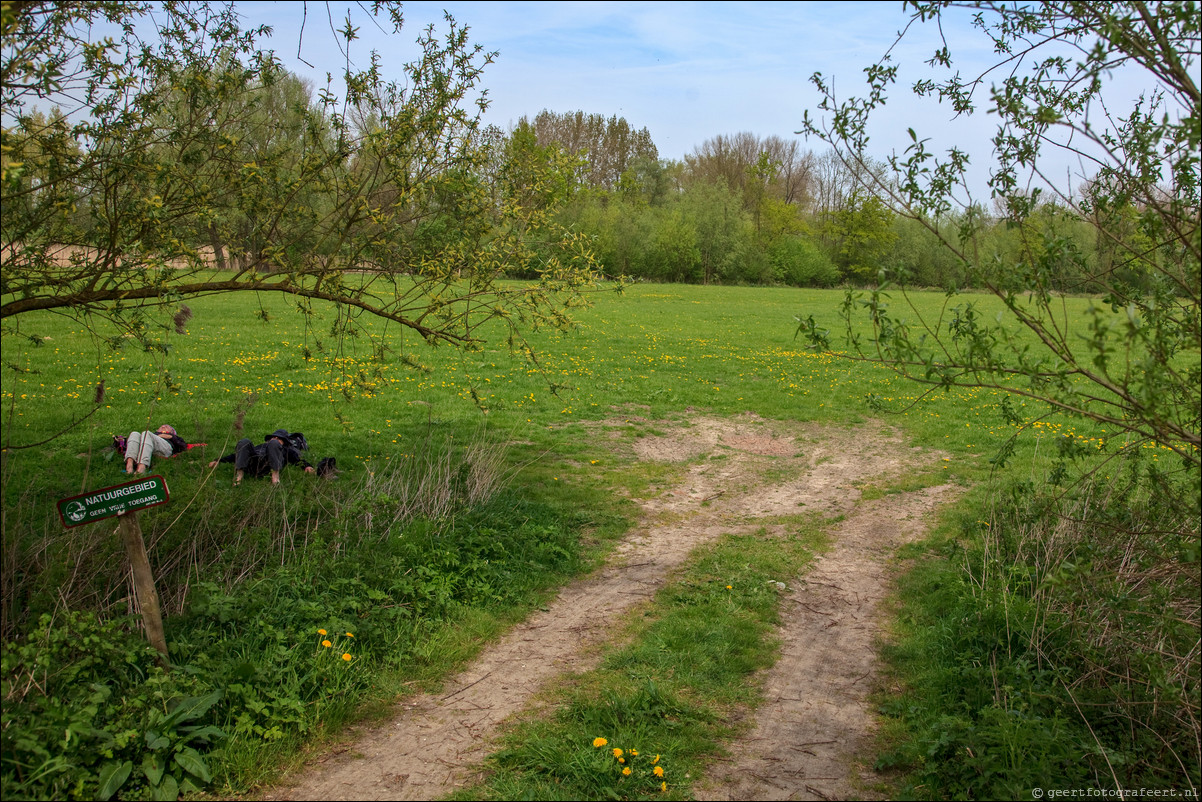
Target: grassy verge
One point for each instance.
(647, 721)
(1043, 640)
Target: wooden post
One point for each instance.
(147, 596)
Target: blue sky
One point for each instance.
(686, 71)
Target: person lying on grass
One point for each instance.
(140, 447)
(270, 456)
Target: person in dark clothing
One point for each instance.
(270, 456)
(141, 446)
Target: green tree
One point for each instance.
(863, 234)
(673, 254)
(718, 216)
(1117, 651)
(378, 201)
(1135, 366)
(607, 146)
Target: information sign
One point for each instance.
(148, 491)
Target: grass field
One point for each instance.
(664, 347)
(250, 569)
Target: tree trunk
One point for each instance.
(218, 251)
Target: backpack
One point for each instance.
(327, 467)
(298, 441)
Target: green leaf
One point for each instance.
(206, 733)
(153, 767)
(191, 761)
(193, 707)
(112, 777)
(154, 741)
(168, 791)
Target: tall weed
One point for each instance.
(211, 532)
(1064, 651)
(285, 608)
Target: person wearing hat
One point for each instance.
(140, 447)
(270, 456)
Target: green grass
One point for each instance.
(249, 574)
(668, 697)
(652, 352)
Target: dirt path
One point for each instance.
(814, 719)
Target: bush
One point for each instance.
(88, 713)
(800, 263)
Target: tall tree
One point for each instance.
(742, 160)
(608, 146)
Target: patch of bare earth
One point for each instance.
(739, 475)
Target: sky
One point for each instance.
(686, 71)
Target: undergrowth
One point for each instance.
(1051, 643)
(282, 625)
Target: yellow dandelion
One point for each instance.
(621, 760)
(326, 644)
(347, 657)
(626, 771)
(634, 753)
(322, 632)
(350, 634)
(663, 786)
(599, 742)
(658, 771)
(653, 762)
(617, 752)
(729, 587)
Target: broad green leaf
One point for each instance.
(112, 777)
(193, 707)
(168, 791)
(191, 761)
(153, 767)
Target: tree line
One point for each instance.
(252, 170)
(175, 158)
(746, 209)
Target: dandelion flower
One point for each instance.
(326, 644)
(599, 742)
(621, 760)
(350, 634)
(658, 771)
(653, 762)
(634, 753)
(347, 657)
(617, 752)
(626, 771)
(322, 632)
(663, 786)
(728, 587)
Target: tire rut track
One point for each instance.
(436, 742)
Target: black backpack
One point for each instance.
(298, 440)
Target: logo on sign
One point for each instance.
(76, 511)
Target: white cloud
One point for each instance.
(687, 71)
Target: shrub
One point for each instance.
(800, 263)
